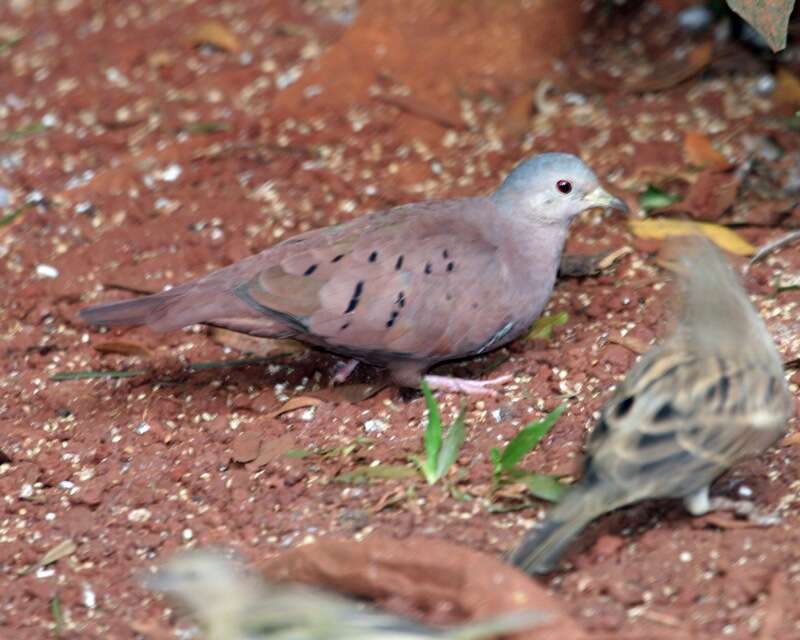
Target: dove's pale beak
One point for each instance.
(603, 199)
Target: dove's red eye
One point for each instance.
(564, 186)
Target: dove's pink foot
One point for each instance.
(469, 387)
(343, 370)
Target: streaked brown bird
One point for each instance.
(713, 393)
(231, 604)
(405, 288)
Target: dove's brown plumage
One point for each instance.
(403, 288)
(710, 395)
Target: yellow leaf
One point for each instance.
(659, 228)
(216, 34)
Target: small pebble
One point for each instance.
(375, 426)
(685, 556)
(139, 515)
(46, 271)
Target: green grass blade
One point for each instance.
(543, 327)
(655, 198)
(451, 445)
(527, 439)
(433, 432)
(85, 375)
(58, 615)
(544, 487)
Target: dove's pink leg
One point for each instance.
(469, 387)
(343, 370)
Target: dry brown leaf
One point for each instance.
(273, 448)
(424, 574)
(787, 88)
(216, 34)
(292, 404)
(61, 550)
(631, 343)
(254, 345)
(660, 228)
(121, 347)
(350, 393)
(698, 151)
(711, 195)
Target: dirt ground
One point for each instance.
(152, 145)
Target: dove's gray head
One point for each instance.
(554, 188)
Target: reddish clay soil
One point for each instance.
(149, 157)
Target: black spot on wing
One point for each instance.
(356, 297)
(445, 254)
(392, 318)
(399, 264)
(337, 258)
(428, 268)
(401, 300)
(451, 266)
(373, 256)
(310, 270)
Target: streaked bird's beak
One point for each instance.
(603, 199)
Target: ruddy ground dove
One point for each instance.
(404, 288)
(711, 394)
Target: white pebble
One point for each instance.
(46, 271)
(89, 598)
(685, 556)
(375, 426)
(26, 491)
(171, 173)
(139, 515)
(187, 534)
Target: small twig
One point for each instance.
(773, 246)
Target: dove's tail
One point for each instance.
(540, 550)
(498, 625)
(129, 312)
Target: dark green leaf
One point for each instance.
(28, 130)
(655, 198)
(527, 439)
(206, 127)
(58, 615)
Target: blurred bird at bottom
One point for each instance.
(229, 603)
(713, 393)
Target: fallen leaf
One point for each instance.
(791, 440)
(698, 151)
(365, 473)
(292, 404)
(517, 118)
(350, 393)
(655, 198)
(631, 343)
(254, 345)
(769, 17)
(787, 88)
(660, 228)
(246, 446)
(273, 448)
(543, 326)
(61, 550)
(711, 195)
(124, 348)
(215, 34)
(424, 574)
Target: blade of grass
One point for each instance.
(58, 615)
(527, 439)
(543, 327)
(85, 375)
(433, 432)
(451, 445)
(16, 213)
